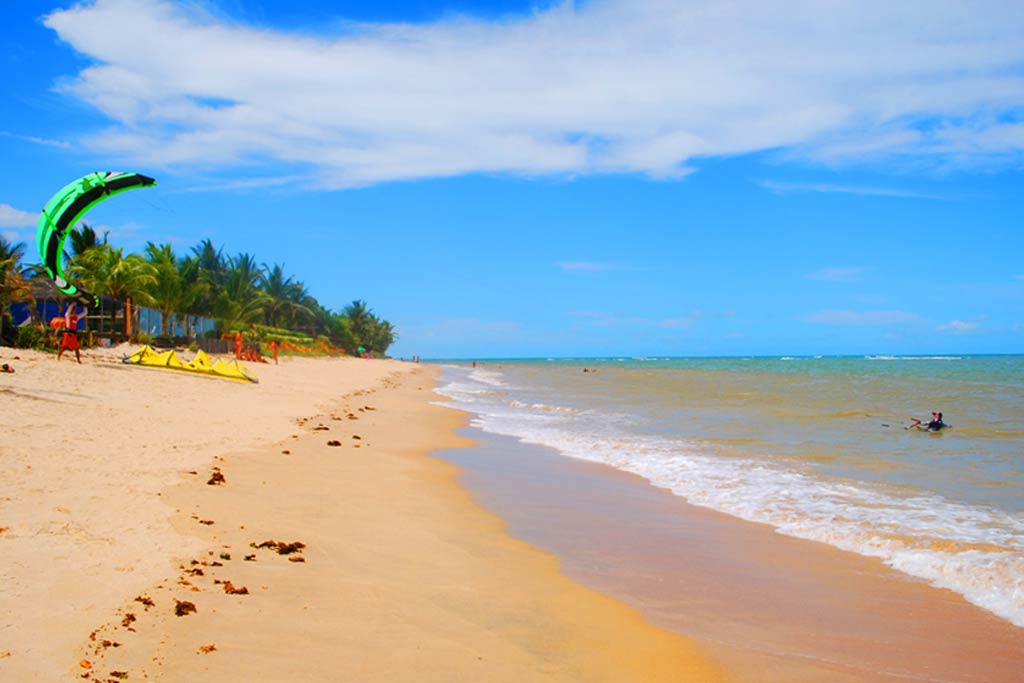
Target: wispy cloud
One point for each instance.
(618, 86)
(586, 266)
(787, 187)
(244, 184)
(836, 274)
(958, 327)
(16, 218)
(39, 141)
(841, 317)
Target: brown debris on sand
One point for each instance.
(334, 442)
(183, 607)
(282, 547)
(206, 649)
(217, 478)
(230, 589)
(145, 600)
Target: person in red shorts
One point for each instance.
(70, 340)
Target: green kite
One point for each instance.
(63, 212)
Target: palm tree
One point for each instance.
(211, 270)
(384, 335)
(84, 238)
(194, 291)
(361, 321)
(13, 283)
(177, 285)
(106, 270)
(284, 300)
(240, 301)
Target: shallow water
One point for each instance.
(815, 447)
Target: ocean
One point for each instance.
(816, 447)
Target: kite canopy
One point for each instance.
(201, 364)
(66, 208)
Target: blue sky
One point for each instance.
(549, 179)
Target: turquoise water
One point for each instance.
(816, 447)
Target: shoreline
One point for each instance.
(401, 576)
(769, 607)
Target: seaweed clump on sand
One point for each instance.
(216, 478)
(183, 607)
(282, 547)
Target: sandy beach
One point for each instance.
(163, 526)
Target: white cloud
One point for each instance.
(958, 327)
(609, 86)
(16, 218)
(836, 274)
(841, 317)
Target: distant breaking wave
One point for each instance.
(913, 357)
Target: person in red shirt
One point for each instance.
(70, 340)
(238, 345)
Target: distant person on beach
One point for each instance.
(274, 346)
(238, 345)
(70, 340)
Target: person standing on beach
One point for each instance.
(70, 340)
(238, 345)
(274, 346)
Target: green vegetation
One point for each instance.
(238, 293)
(13, 285)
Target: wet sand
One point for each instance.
(771, 607)
(162, 526)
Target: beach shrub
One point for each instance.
(32, 337)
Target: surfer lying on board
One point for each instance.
(936, 423)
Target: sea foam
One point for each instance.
(974, 550)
